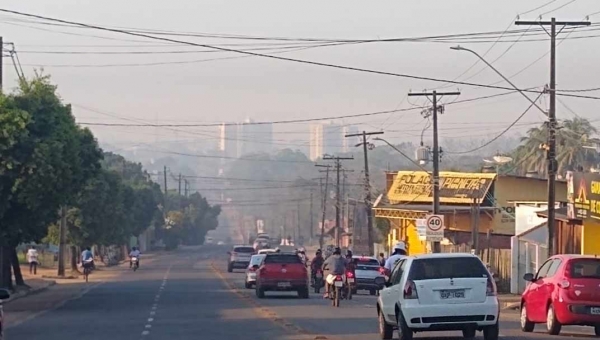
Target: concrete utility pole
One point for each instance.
(180, 184)
(368, 203)
(1, 65)
(436, 247)
(321, 236)
(165, 177)
(338, 167)
(311, 214)
(551, 148)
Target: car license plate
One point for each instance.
(595, 310)
(283, 284)
(350, 280)
(452, 294)
(338, 283)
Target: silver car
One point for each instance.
(255, 262)
(368, 273)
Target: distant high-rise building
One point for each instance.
(348, 143)
(236, 140)
(328, 138)
(255, 138)
(228, 140)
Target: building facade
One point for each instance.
(329, 138)
(249, 137)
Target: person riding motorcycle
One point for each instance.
(333, 266)
(135, 252)
(316, 263)
(350, 265)
(87, 258)
(399, 254)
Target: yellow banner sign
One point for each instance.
(455, 187)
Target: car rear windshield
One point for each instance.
(247, 250)
(366, 264)
(282, 258)
(256, 259)
(449, 267)
(585, 268)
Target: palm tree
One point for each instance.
(571, 137)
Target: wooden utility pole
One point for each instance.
(165, 177)
(62, 240)
(338, 167)
(180, 184)
(551, 147)
(311, 215)
(368, 202)
(436, 246)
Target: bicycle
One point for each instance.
(87, 269)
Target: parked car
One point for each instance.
(564, 291)
(368, 274)
(4, 294)
(239, 257)
(282, 272)
(255, 262)
(439, 292)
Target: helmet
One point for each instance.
(337, 251)
(301, 250)
(349, 252)
(400, 246)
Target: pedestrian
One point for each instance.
(32, 258)
(382, 259)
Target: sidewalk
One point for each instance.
(509, 301)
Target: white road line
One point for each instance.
(145, 332)
(150, 319)
(148, 326)
(155, 304)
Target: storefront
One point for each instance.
(486, 198)
(584, 204)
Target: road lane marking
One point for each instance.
(155, 304)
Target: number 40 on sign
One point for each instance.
(435, 228)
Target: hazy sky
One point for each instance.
(185, 87)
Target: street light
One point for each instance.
(460, 48)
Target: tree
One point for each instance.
(571, 138)
(50, 159)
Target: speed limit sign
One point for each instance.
(435, 228)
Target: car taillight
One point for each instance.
(338, 278)
(564, 284)
(491, 287)
(382, 270)
(410, 291)
(349, 274)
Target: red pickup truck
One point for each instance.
(282, 272)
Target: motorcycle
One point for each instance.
(335, 292)
(318, 281)
(136, 263)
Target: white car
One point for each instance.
(255, 262)
(439, 292)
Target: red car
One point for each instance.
(282, 272)
(4, 294)
(565, 291)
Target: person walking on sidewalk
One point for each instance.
(32, 258)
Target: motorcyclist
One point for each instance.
(316, 263)
(333, 266)
(135, 252)
(87, 258)
(350, 265)
(398, 254)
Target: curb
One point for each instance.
(23, 294)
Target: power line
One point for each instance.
(349, 68)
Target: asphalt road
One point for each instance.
(189, 295)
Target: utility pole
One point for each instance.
(475, 226)
(298, 220)
(338, 168)
(436, 247)
(321, 236)
(165, 176)
(186, 183)
(368, 203)
(551, 147)
(1, 61)
(62, 240)
(180, 184)
(311, 214)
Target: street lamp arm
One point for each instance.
(402, 153)
(460, 48)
